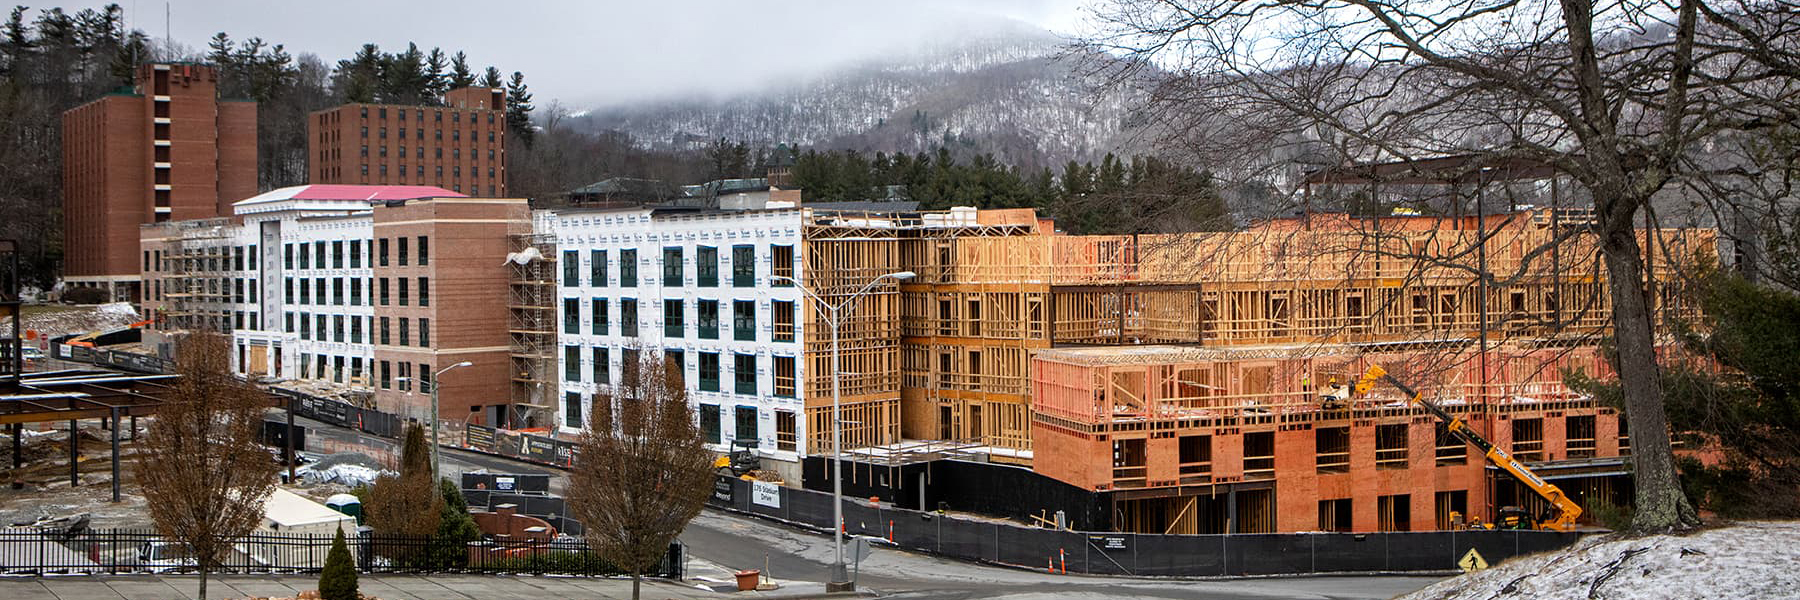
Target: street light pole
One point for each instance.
(436, 460)
(840, 572)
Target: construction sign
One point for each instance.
(1472, 562)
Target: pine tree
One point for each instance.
(436, 81)
(492, 79)
(460, 75)
(337, 581)
(518, 109)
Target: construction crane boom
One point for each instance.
(1567, 511)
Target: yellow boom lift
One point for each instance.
(1566, 511)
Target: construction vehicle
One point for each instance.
(740, 461)
(1510, 517)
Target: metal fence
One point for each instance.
(118, 551)
(1135, 554)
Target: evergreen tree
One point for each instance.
(436, 80)
(460, 75)
(518, 109)
(337, 581)
(491, 79)
(356, 78)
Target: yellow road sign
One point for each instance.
(1472, 562)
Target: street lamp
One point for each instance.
(840, 574)
(436, 461)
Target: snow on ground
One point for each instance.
(57, 319)
(1743, 561)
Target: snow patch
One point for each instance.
(1747, 560)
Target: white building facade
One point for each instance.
(694, 286)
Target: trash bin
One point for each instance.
(747, 580)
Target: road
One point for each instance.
(735, 542)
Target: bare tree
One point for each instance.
(203, 472)
(1615, 97)
(637, 481)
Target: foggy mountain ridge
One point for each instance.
(996, 89)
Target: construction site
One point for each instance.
(1175, 382)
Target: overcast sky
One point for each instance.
(584, 53)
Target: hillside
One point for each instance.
(996, 87)
(1742, 561)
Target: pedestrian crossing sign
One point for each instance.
(1472, 562)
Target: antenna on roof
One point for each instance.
(168, 27)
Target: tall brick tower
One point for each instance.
(169, 149)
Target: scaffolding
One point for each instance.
(197, 290)
(531, 317)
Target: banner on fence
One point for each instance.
(765, 494)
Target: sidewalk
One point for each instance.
(385, 586)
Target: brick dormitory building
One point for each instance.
(167, 148)
(1149, 383)
(459, 146)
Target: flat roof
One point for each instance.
(288, 509)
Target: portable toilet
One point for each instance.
(348, 504)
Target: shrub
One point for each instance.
(338, 579)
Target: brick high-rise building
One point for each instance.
(168, 150)
(460, 146)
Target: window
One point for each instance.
(709, 371)
(1334, 515)
(1528, 439)
(676, 362)
(743, 266)
(387, 375)
(709, 319)
(1259, 455)
(785, 434)
(402, 281)
(337, 255)
(706, 266)
(744, 373)
(1195, 454)
(1580, 436)
(628, 268)
(746, 423)
(672, 266)
(571, 267)
(305, 326)
(782, 264)
(596, 268)
(782, 313)
(384, 331)
(1129, 460)
(405, 330)
(629, 360)
(1394, 512)
(1333, 446)
(628, 321)
(571, 409)
(571, 363)
(1390, 446)
(743, 320)
(384, 291)
(1452, 509)
(709, 423)
(424, 251)
(672, 325)
(356, 289)
(784, 376)
(1451, 450)
(402, 253)
(571, 315)
(602, 367)
(381, 253)
(287, 256)
(337, 328)
(356, 330)
(424, 291)
(337, 291)
(319, 254)
(425, 332)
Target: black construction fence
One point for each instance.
(124, 551)
(1006, 543)
(529, 495)
(540, 449)
(344, 414)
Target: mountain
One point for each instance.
(999, 87)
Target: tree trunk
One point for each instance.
(636, 580)
(1661, 505)
(202, 584)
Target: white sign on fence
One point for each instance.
(765, 494)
